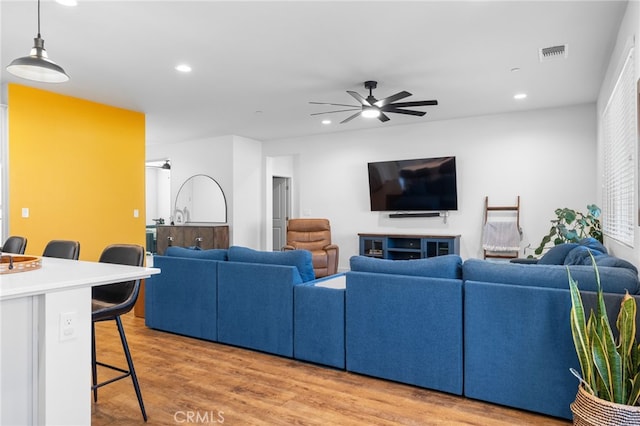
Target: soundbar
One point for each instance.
(429, 214)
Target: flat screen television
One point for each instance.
(424, 184)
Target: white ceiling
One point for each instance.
(256, 65)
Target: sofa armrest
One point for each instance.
(332, 258)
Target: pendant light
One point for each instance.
(37, 66)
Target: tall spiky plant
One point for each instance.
(610, 370)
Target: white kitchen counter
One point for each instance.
(45, 372)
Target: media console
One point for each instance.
(404, 247)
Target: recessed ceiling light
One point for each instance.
(326, 121)
(519, 96)
(183, 68)
(67, 2)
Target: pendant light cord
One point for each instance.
(38, 18)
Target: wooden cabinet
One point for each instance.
(205, 237)
(403, 247)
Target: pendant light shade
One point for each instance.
(37, 66)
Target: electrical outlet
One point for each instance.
(68, 325)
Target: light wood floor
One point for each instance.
(215, 383)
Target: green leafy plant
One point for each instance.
(571, 226)
(610, 369)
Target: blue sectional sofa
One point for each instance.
(255, 298)
(184, 299)
(493, 331)
(404, 320)
(238, 296)
(518, 346)
(319, 321)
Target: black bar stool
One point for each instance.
(108, 302)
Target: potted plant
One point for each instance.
(570, 226)
(609, 389)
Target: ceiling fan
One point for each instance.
(372, 107)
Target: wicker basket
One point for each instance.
(589, 410)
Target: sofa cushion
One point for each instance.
(213, 254)
(557, 254)
(613, 280)
(447, 266)
(301, 259)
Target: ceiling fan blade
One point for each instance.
(339, 110)
(412, 104)
(392, 98)
(382, 117)
(359, 98)
(351, 117)
(405, 111)
(327, 103)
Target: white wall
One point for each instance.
(212, 157)
(158, 194)
(235, 163)
(247, 190)
(547, 157)
(626, 38)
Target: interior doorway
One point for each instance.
(281, 211)
(158, 192)
(158, 199)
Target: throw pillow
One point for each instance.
(593, 244)
(301, 259)
(580, 256)
(557, 254)
(213, 254)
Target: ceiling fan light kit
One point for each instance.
(370, 112)
(370, 107)
(37, 66)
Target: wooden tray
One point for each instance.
(10, 263)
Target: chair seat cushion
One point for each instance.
(97, 305)
(320, 259)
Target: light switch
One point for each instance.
(136, 213)
(25, 212)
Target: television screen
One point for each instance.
(426, 184)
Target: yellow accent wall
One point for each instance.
(79, 167)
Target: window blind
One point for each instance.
(619, 135)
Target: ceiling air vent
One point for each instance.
(553, 52)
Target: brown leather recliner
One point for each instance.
(314, 235)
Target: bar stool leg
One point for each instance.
(94, 367)
(132, 370)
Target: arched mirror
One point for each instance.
(200, 199)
